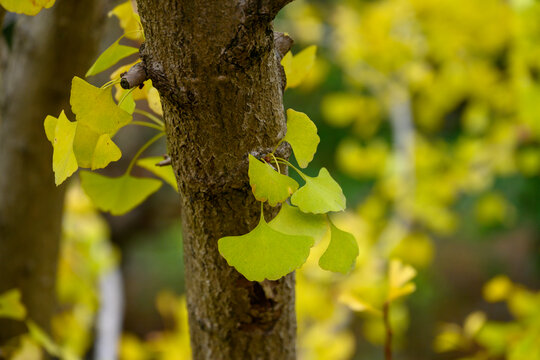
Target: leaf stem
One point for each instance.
(126, 94)
(292, 166)
(388, 328)
(110, 83)
(275, 160)
(151, 117)
(280, 141)
(146, 124)
(142, 149)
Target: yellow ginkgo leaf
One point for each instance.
(357, 304)
(11, 306)
(400, 276)
(64, 161)
(129, 20)
(27, 7)
(297, 67)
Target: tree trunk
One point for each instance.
(218, 74)
(48, 50)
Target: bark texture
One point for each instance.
(217, 71)
(48, 50)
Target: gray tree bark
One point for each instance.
(48, 50)
(218, 74)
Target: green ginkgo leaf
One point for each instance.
(11, 306)
(319, 195)
(265, 253)
(292, 221)
(341, 253)
(297, 67)
(64, 161)
(117, 195)
(110, 57)
(95, 108)
(302, 135)
(128, 104)
(269, 185)
(164, 172)
(27, 7)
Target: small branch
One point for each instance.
(166, 161)
(135, 76)
(388, 328)
(282, 43)
(274, 6)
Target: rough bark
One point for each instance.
(48, 51)
(216, 69)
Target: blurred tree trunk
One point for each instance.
(48, 50)
(218, 74)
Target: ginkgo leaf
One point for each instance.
(400, 276)
(297, 67)
(27, 7)
(117, 195)
(154, 101)
(95, 108)
(129, 20)
(358, 304)
(164, 172)
(127, 103)
(99, 118)
(50, 126)
(112, 55)
(265, 253)
(302, 135)
(319, 195)
(64, 161)
(341, 253)
(292, 221)
(269, 185)
(93, 150)
(11, 306)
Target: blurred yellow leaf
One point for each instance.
(298, 66)
(11, 306)
(498, 289)
(400, 276)
(27, 7)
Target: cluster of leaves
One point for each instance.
(274, 249)
(87, 142)
(485, 339)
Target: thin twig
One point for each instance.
(388, 328)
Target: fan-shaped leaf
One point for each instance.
(302, 135)
(129, 20)
(64, 161)
(164, 172)
(117, 195)
(297, 67)
(319, 195)
(268, 184)
(341, 253)
(11, 306)
(27, 7)
(265, 253)
(400, 276)
(110, 57)
(292, 221)
(99, 118)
